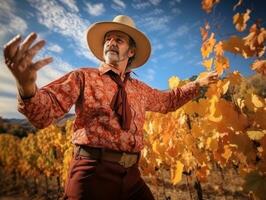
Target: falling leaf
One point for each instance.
(207, 63)
(221, 63)
(237, 45)
(207, 46)
(259, 66)
(261, 36)
(257, 101)
(255, 40)
(204, 31)
(225, 86)
(176, 175)
(240, 20)
(235, 78)
(202, 173)
(240, 103)
(212, 116)
(227, 152)
(173, 82)
(212, 144)
(238, 4)
(207, 5)
(218, 49)
(256, 135)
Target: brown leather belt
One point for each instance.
(123, 158)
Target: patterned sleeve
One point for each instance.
(168, 101)
(52, 101)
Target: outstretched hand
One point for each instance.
(209, 78)
(18, 58)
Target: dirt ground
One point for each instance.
(226, 185)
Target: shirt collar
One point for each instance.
(104, 68)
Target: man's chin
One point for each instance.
(111, 57)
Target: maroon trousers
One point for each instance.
(103, 180)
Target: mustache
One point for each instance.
(112, 48)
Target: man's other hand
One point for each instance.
(209, 78)
(18, 58)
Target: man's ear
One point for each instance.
(131, 52)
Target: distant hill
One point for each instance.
(21, 127)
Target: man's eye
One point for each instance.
(119, 40)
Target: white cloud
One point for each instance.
(174, 2)
(155, 23)
(118, 5)
(176, 11)
(155, 2)
(172, 56)
(154, 20)
(95, 9)
(54, 48)
(68, 24)
(8, 108)
(190, 45)
(182, 30)
(8, 92)
(12, 23)
(150, 75)
(71, 4)
(140, 5)
(156, 45)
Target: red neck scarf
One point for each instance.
(119, 102)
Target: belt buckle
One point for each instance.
(127, 160)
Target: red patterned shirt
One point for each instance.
(96, 124)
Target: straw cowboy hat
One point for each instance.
(97, 31)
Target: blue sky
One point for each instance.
(171, 25)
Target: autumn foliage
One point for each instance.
(225, 126)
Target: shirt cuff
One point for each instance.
(23, 102)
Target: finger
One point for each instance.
(25, 45)
(39, 64)
(30, 53)
(11, 47)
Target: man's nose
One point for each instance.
(112, 41)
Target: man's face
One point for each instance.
(116, 47)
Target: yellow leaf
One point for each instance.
(240, 103)
(207, 5)
(212, 144)
(238, 4)
(262, 36)
(204, 31)
(255, 40)
(240, 20)
(259, 66)
(212, 116)
(203, 74)
(227, 152)
(207, 63)
(256, 101)
(176, 175)
(207, 46)
(225, 86)
(256, 135)
(218, 49)
(235, 78)
(173, 82)
(237, 45)
(221, 63)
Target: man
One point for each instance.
(110, 107)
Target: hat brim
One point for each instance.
(97, 31)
